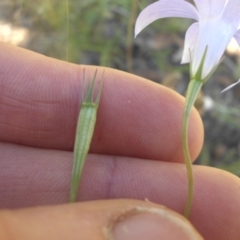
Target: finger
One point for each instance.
(40, 101)
(102, 220)
(31, 177)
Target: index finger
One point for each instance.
(40, 102)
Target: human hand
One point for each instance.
(136, 153)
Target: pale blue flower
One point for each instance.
(217, 21)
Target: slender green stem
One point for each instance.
(139, 4)
(130, 35)
(67, 30)
(192, 92)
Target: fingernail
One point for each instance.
(152, 224)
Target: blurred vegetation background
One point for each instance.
(101, 33)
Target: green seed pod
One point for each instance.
(85, 128)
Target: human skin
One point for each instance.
(136, 154)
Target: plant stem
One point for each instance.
(192, 92)
(67, 30)
(130, 35)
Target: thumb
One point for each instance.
(96, 220)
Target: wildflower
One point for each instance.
(217, 22)
(205, 42)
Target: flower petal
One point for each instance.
(190, 41)
(210, 8)
(210, 35)
(217, 7)
(203, 7)
(231, 86)
(237, 37)
(164, 9)
(232, 13)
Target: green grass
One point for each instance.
(87, 27)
